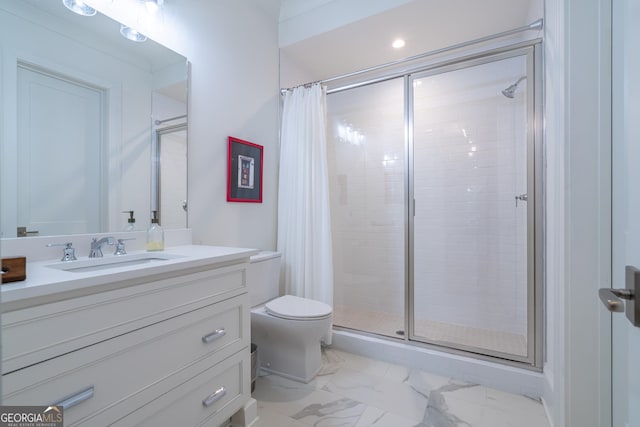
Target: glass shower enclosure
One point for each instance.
(436, 205)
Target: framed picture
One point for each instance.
(244, 171)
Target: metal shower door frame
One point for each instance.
(535, 208)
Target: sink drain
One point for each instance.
(400, 332)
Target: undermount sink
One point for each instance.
(106, 263)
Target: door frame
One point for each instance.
(577, 368)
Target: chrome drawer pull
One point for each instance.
(75, 399)
(219, 394)
(219, 333)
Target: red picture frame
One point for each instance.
(244, 171)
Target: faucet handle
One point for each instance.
(104, 240)
(69, 252)
(120, 250)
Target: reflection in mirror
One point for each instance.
(170, 174)
(84, 111)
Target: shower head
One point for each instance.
(511, 90)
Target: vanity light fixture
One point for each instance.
(132, 34)
(153, 5)
(398, 43)
(79, 7)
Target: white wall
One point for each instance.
(233, 50)
(291, 73)
(166, 107)
(299, 20)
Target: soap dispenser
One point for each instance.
(131, 222)
(155, 235)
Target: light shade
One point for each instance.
(153, 5)
(132, 34)
(79, 7)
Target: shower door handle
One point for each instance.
(523, 197)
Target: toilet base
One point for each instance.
(288, 348)
(291, 357)
(269, 371)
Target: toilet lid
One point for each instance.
(296, 308)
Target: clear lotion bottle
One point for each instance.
(155, 235)
(131, 222)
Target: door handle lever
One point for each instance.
(614, 299)
(611, 300)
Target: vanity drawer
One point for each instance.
(39, 333)
(134, 364)
(206, 399)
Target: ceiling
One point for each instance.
(426, 25)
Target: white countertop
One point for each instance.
(44, 281)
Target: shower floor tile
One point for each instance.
(437, 332)
(357, 391)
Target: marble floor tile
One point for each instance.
(336, 412)
(357, 391)
(394, 397)
(316, 407)
(397, 373)
(375, 417)
(341, 359)
(268, 418)
(272, 388)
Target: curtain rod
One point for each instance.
(170, 119)
(171, 128)
(536, 25)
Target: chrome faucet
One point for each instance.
(96, 246)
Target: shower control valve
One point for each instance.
(521, 197)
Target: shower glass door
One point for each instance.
(472, 183)
(434, 182)
(366, 159)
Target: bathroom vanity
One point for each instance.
(134, 340)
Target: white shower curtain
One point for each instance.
(304, 226)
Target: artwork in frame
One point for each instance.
(244, 171)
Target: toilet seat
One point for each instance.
(296, 308)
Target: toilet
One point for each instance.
(287, 329)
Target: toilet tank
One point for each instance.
(263, 277)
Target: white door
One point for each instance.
(626, 210)
(59, 155)
(172, 173)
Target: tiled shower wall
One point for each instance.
(470, 163)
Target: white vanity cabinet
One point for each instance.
(161, 350)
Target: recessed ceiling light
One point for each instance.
(398, 43)
(79, 7)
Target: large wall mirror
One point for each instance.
(93, 125)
